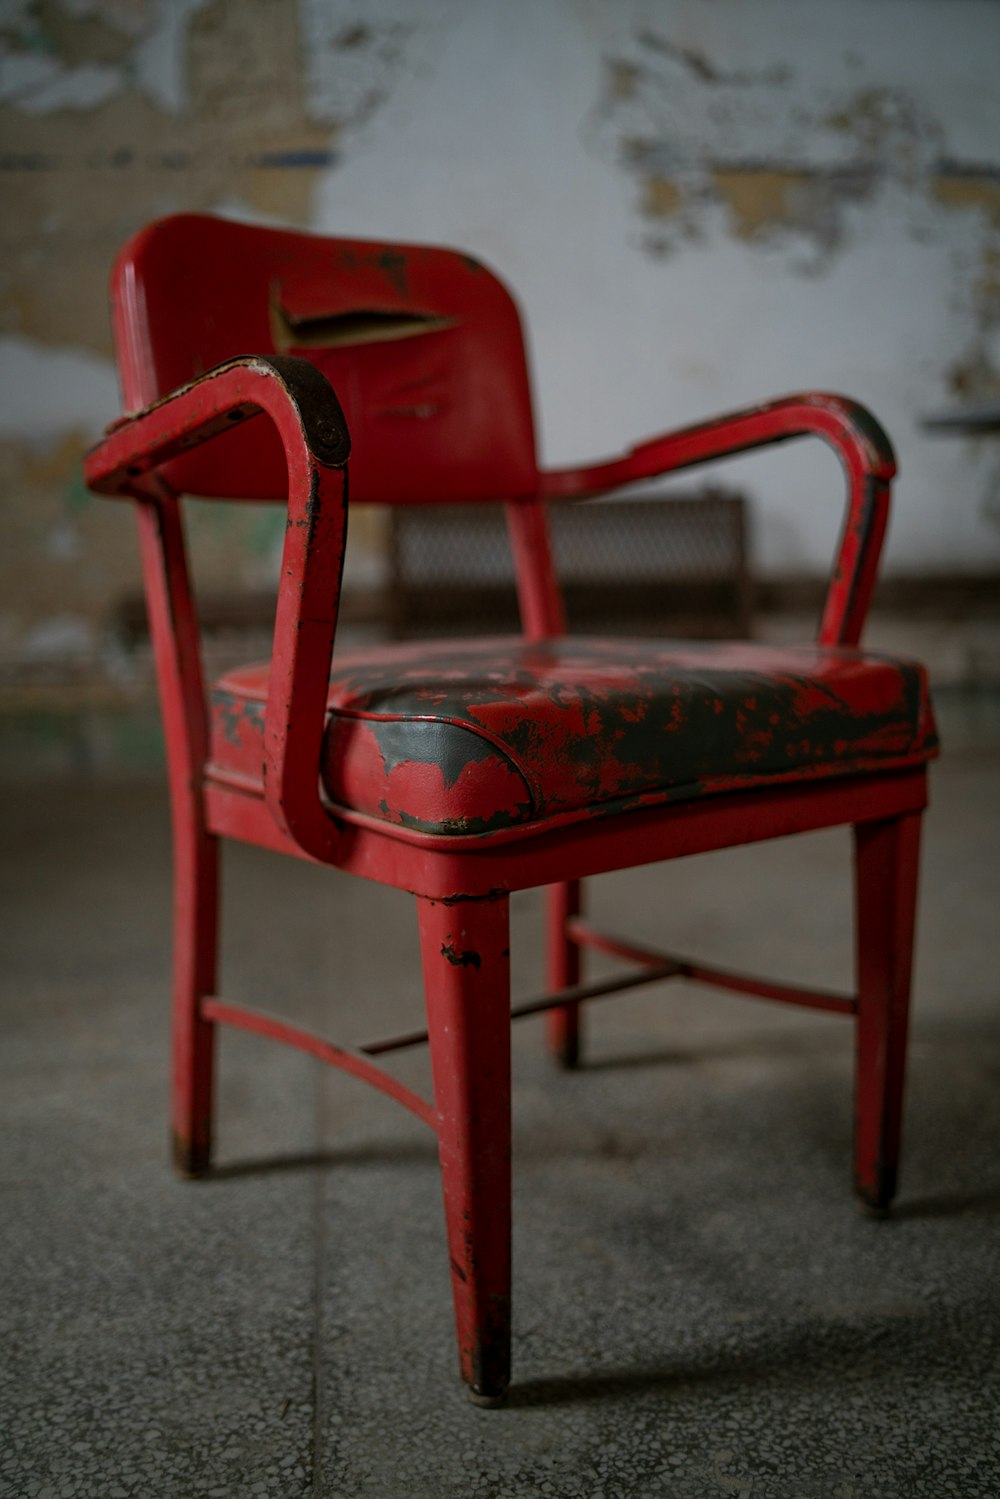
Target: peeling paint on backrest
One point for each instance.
(422, 345)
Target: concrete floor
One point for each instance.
(699, 1308)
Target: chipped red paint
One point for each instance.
(447, 780)
(464, 957)
(462, 772)
(485, 735)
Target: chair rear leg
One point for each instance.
(563, 1024)
(466, 964)
(886, 867)
(196, 904)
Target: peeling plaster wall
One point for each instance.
(114, 112)
(700, 203)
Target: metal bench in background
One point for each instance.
(674, 565)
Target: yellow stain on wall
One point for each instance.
(759, 201)
(661, 197)
(80, 182)
(975, 191)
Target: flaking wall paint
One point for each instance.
(699, 205)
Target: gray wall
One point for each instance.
(699, 204)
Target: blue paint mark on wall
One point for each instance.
(306, 158)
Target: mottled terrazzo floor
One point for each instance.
(699, 1309)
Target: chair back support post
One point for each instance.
(539, 596)
(176, 640)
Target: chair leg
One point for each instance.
(563, 1024)
(466, 964)
(196, 903)
(886, 865)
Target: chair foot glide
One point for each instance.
(190, 1159)
(487, 1402)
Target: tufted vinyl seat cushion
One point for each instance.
(474, 737)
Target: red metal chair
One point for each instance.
(464, 771)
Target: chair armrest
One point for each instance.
(304, 410)
(864, 451)
(297, 397)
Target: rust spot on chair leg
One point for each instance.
(460, 958)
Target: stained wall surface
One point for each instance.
(699, 204)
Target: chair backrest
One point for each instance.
(423, 346)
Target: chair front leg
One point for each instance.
(196, 907)
(562, 1024)
(886, 867)
(466, 965)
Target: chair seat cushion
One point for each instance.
(471, 737)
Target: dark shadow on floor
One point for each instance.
(322, 1160)
(816, 1352)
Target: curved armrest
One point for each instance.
(304, 410)
(297, 397)
(864, 451)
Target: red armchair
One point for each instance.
(464, 770)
